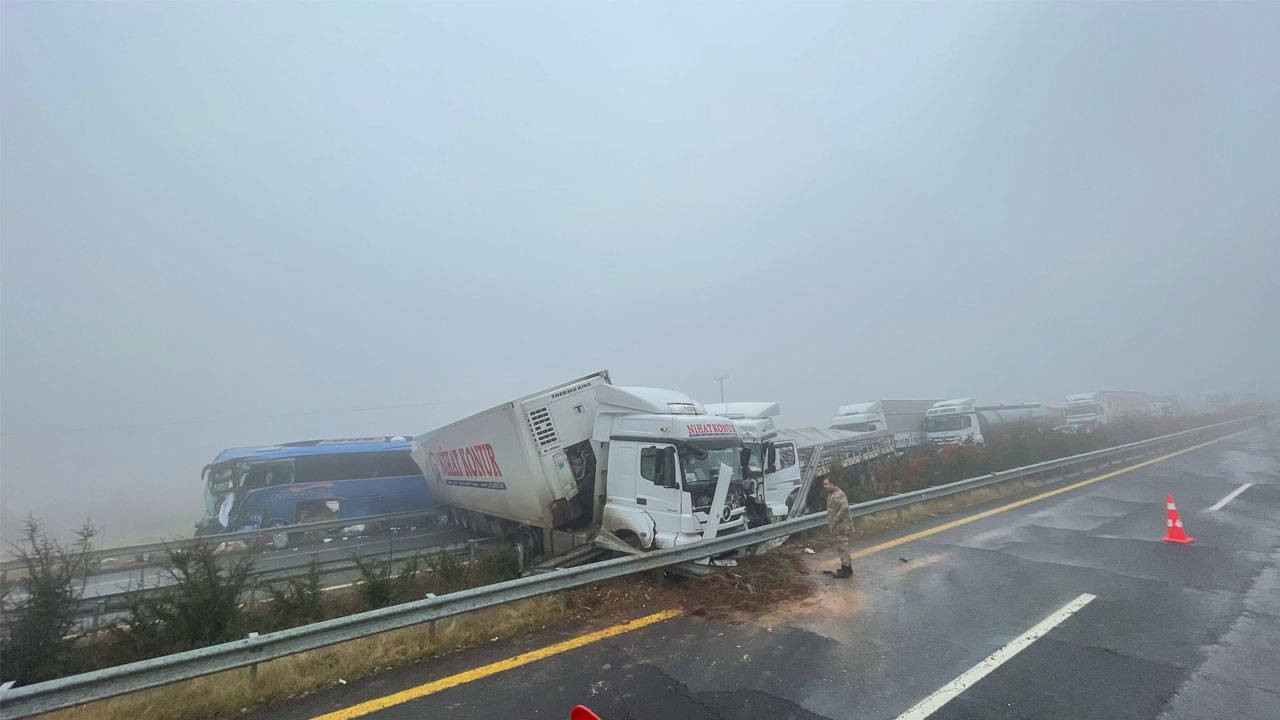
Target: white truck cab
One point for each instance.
(551, 469)
(773, 474)
(953, 422)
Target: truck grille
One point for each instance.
(544, 432)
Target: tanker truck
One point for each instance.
(589, 462)
(955, 422)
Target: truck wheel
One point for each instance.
(528, 538)
(629, 538)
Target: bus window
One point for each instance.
(331, 468)
(395, 464)
(262, 474)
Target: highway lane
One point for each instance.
(1175, 631)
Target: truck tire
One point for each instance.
(529, 538)
(629, 538)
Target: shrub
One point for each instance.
(447, 574)
(379, 586)
(493, 564)
(201, 607)
(36, 646)
(298, 601)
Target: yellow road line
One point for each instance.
(484, 671)
(1025, 501)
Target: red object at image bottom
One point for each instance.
(582, 713)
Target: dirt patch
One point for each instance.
(758, 584)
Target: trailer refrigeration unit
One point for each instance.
(955, 422)
(904, 418)
(587, 461)
(1086, 411)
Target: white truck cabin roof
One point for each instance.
(861, 408)
(949, 407)
(741, 410)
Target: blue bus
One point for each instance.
(259, 488)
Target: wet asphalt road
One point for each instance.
(1176, 631)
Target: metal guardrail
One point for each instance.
(123, 679)
(118, 601)
(161, 546)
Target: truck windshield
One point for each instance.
(755, 465)
(944, 423)
(702, 466)
(1090, 409)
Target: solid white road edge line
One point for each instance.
(951, 690)
(1232, 496)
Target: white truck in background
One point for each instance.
(1086, 411)
(904, 418)
(556, 470)
(779, 456)
(959, 421)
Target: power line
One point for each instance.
(205, 421)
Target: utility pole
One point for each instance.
(720, 379)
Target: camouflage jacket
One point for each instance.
(839, 521)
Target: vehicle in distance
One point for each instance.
(904, 418)
(959, 421)
(1085, 411)
(271, 486)
(551, 469)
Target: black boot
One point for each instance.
(845, 571)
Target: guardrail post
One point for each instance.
(253, 668)
(98, 609)
(564, 601)
(431, 630)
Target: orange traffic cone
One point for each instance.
(1173, 531)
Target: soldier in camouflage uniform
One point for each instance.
(840, 523)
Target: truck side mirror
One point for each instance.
(744, 459)
(771, 459)
(666, 471)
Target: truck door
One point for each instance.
(658, 489)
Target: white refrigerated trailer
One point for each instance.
(552, 469)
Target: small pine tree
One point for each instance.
(36, 646)
(298, 601)
(201, 606)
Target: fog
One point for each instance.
(245, 224)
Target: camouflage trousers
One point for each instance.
(841, 542)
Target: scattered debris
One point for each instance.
(758, 582)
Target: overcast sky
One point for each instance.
(241, 224)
